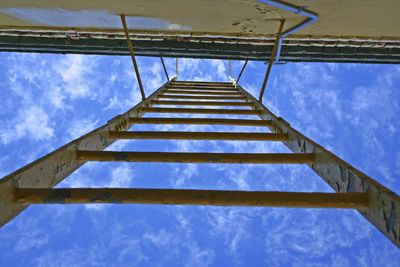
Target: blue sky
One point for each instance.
(49, 100)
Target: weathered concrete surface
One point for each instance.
(368, 18)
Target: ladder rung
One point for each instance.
(184, 81)
(200, 92)
(198, 135)
(203, 88)
(201, 121)
(203, 83)
(174, 157)
(191, 197)
(201, 103)
(202, 111)
(203, 97)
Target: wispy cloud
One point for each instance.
(79, 127)
(32, 122)
(73, 70)
(308, 96)
(121, 176)
(32, 236)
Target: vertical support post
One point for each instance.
(176, 69)
(165, 70)
(271, 61)
(240, 74)
(230, 69)
(133, 57)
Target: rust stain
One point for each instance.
(57, 197)
(105, 197)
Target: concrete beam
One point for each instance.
(379, 51)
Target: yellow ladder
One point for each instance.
(33, 184)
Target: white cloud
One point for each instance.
(161, 239)
(374, 109)
(202, 70)
(113, 103)
(32, 122)
(73, 70)
(74, 256)
(231, 224)
(183, 174)
(121, 176)
(197, 234)
(35, 238)
(118, 145)
(30, 235)
(56, 97)
(154, 82)
(221, 71)
(199, 257)
(36, 124)
(79, 127)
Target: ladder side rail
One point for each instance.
(384, 211)
(51, 169)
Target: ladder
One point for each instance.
(34, 183)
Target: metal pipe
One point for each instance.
(165, 70)
(176, 68)
(201, 121)
(133, 57)
(201, 103)
(188, 92)
(223, 88)
(202, 111)
(271, 60)
(191, 197)
(240, 74)
(173, 135)
(311, 17)
(230, 69)
(202, 97)
(202, 83)
(174, 157)
(203, 88)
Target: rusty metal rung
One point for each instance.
(374, 201)
(200, 92)
(233, 136)
(191, 197)
(203, 88)
(202, 111)
(202, 103)
(203, 83)
(175, 157)
(203, 97)
(201, 121)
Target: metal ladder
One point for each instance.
(33, 184)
